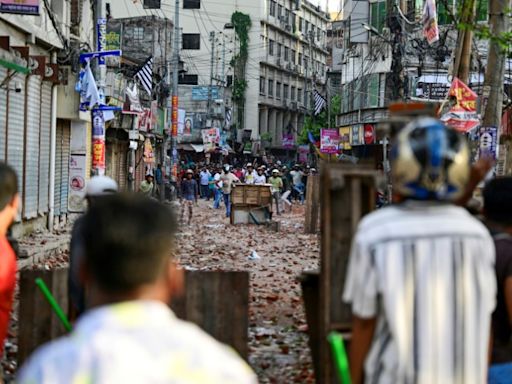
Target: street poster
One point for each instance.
(211, 137)
(303, 153)
(369, 134)
(24, 7)
(329, 141)
(188, 124)
(181, 121)
(77, 182)
(98, 154)
(463, 95)
(430, 27)
(345, 138)
(355, 135)
(145, 120)
(488, 142)
(288, 141)
(149, 155)
(154, 115)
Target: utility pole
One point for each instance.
(210, 96)
(98, 120)
(175, 65)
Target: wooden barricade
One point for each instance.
(312, 204)
(347, 194)
(218, 302)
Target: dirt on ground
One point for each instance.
(279, 351)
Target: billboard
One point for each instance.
(24, 7)
(329, 141)
(200, 93)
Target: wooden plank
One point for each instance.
(312, 204)
(218, 302)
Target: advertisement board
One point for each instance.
(329, 141)
(24, 7)
(77, 183)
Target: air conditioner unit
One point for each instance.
(218, 111)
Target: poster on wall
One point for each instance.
(24, 7)
(149, 155)
(181, 121)
(288, 141)
(188, 124)
(98, 153)
(329, 141)
(77, 183)
(211, 138)
(488, 142)
(303, 153)
(345, 138)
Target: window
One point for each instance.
(285, 91)
(300, 59)
(191, 4)
(188, 79)
(271, 47)
(306, 28)
(262, 85)
(306, 99)
(292, 93)
(286, 16)
(312, 31)
(373, 90)
(272, 8)
(293, 22)
(191, 41)
(300, 24)
(138, 33)
(270, 87)
(299, 95)
(306, 60)
(294, 55)
(318, 33)
(378, 15)
(278, 90)
(279, 11)
(286, 53)
(279, 47)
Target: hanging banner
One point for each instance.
(174, 113)
(181, 121)
(344, 135)
(145, 120)
(288, 141)
(24, 7)
(369, 134)
(149, 155)
(430, 27)
(77, 176)
(487, 142)
(329, 141)
(465, 97)
(98, 155)
(303, 153)
(154, 115)
(101, 43)
(211, 138)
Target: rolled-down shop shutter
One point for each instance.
(123, 164)
(44, 146)
(62, 167)
(32, 148)
(16, 129)
(3, 116)
(58, 170)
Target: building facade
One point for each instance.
(286, 61)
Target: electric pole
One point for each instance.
(212, 57)
(175, 67)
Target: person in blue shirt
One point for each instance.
(204, 181)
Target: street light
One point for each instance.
(374, 31)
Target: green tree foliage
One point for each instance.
(313, 124)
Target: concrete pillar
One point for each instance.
(278, 141)
(263, 122)
(272, 123)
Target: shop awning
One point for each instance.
(15, 67)
(198, 147)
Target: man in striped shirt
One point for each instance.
(421, 273)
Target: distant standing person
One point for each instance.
(97, 187)
(277, 186)
(420, 279)
(159, 181)
(297, 184)
(498, 217)
(9, 206)
(147, 186)
(217, 185)
(204, 180)
(228, 180)
(189, 194)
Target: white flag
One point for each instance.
(430, 27)
(91, 94)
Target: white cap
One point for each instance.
(249, 165)
(100, 185)
(275, 171)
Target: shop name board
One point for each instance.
(201, 93)
(24, 7)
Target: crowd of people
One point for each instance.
(216, 181)
(429, 282)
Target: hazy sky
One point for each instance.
(334, 5)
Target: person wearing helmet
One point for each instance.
(228, 180)
(420, 279)
(260, 177)
(97, 187)
(250, 174)
(277, 186)
(189, 192)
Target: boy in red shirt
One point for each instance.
(9, 204)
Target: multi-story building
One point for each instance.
(286, 61)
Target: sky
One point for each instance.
(334, 5)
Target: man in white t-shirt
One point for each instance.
(249, 174)
(228, 180)
(217, 188)
(131, 335)
(420, 279)
(260, 177)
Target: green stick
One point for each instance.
(53, 303)
(340, 357)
